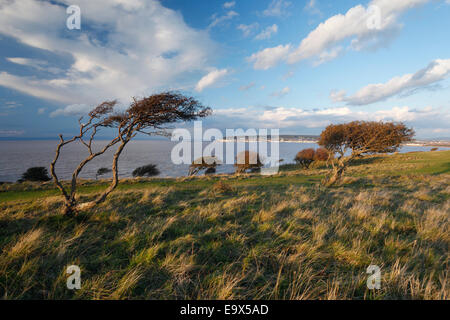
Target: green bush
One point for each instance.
(35, 174)
(149, 170)
(101, 172)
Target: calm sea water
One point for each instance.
(17, 156)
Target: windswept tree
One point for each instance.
(150, 115)
(358, 138)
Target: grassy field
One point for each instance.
(238, 237)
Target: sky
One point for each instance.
(296, 66)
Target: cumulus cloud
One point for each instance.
(134, 48)
(277, 8)
(436, 71)
(211, 79)
(267, 32)
(269, 57)
(370, 26)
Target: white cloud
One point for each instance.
(269, 57)
(288, 75)
(27, 62)
(355, 25)
(326, 56)
(72, 110)
(37, 64)
(247, 30)
(211, 79)
(42, 110)
(217, 20)
(277, 8)
(337, 96)
(11, 133)
(267, 32)
(11, 105)
(138, 47)
(228, 5)
(39, 88)
(436, 71)
(311, 7)
(426, 121)
(281, 93)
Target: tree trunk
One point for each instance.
(338, 172)
(335, 177)
(69, 208)
(112, 186)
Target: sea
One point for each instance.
(17, 156)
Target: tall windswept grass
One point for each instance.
(26, 243)
(282, 237)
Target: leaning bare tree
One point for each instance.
(149, 115)
(359, 138)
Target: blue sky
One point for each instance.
(292, 65)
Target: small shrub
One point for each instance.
(35, 174)
(101, 172)
(149, 170)
(305, 157)
(222, 187)
(247, 160)
(434, 149)
(322, 154)
(208, 163)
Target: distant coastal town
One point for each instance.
(444, 142)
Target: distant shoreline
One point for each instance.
(284, 139)
(418, 143)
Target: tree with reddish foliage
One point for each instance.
(149, 115)
(322, 154)
(305, 157)
(361, 138)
